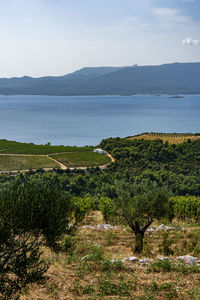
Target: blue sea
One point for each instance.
(86, 120)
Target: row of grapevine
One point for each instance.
(186, 207)
(83, 205)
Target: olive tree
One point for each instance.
(139, 205)
(34, 212)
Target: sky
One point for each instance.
(56, 37)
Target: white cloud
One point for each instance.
(191, 42)
(170, 16)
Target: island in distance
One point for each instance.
(175, 78)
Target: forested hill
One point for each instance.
(176, 78)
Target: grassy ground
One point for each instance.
(171, 138)
(23, 148)
(10, 162)
(82, 159)
(86, 272)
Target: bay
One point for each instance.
(86, 120)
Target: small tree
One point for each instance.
(20, 263)
(32, 213)
(139, 205)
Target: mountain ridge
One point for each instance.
(172, 78)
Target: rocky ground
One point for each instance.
(99, 263)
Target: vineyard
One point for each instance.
(14, 163)
(171, 138)
(187, 207)
(15, 156)
(11, 147)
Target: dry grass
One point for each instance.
(71, 278)
(166, 137)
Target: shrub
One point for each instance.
(31, 213)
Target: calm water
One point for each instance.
(86, 120)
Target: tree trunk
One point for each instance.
(139, 237)
(105, 213)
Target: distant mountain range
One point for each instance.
(176, 78)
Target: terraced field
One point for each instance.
(171, 138)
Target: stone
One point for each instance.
(164, 258)
(132, 259)
(144, 261)
(104, 226)
(107, 226)
(88, 227)
(169, 228)
(188, 259)
(161, 227)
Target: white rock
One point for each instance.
(132, 259)
(161, 227)
(188, 259)
(144, 261)
(104, 226)
(164, 258)
(88, 227)
(107, 226)
(169, 228)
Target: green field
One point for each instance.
(24, 148)
(82, 159)
(12, 163)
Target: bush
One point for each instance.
(31, 213)
(20, 264)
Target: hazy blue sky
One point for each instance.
(55, 37)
